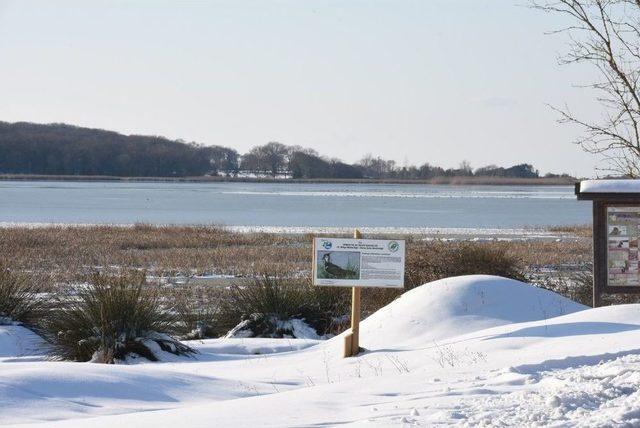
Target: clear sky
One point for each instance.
(436, 81)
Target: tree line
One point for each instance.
(59, 149)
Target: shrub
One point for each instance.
(574, 285)
(439, 260)
(436, 260)
(578, 286)
(110, 318)
(266, 307)
(19, 301)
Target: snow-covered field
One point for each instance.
(475, 350)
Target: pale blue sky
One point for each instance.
(436, 81)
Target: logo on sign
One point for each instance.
(393, 246)
(326, 245)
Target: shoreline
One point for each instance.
(453, 181)
(426, 233)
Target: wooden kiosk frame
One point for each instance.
(601, 203)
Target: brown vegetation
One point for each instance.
(274, 268)
(69, 253)
(110, 318)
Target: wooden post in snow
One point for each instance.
(352, 339)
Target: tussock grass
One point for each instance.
(197, 311)
(19, 300)
(111, 318)
(273, 298)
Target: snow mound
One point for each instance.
(460, 305)
(17, 341)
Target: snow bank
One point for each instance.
(466, 351)
(17, 341)
(253, 346)
(455, 306)
(610, 186)
(592, 389)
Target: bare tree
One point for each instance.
(271, 157)
(606, 35)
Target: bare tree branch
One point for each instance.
(606, 35)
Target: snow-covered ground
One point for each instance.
(475, 350)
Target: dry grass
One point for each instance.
(71, 252)
(583, 230)
(68, 254)
(273, 298)
(18, 297)
(110, 318)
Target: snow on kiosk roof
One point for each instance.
(590, 190)
(616, 235)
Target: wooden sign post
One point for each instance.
(352, 339)
(357, 263)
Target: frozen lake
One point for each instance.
(291, 205)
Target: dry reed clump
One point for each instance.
(19, 300)
(197, 311)
(110, 318)
(262, 307)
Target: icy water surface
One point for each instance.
(291, 205)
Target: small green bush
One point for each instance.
(19, 301)
(112, 317)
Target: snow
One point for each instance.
(468, 351)
(18, 341)
(468, 303)
(292, 328)
(610, 186)
(417, 194)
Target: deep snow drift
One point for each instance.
(453, 306)
(470, 350)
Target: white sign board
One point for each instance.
(358, 262)
(623, 234)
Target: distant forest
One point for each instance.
(59, 149)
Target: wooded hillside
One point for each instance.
(60, 149)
